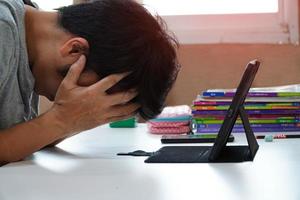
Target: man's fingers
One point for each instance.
(109, 81)
(123, 110)
(75, 71)
(122, 97)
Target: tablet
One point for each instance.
(233, 111)
(219, 152)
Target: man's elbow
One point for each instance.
(5, 159)
(6, 156)
(3, 163)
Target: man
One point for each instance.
(99, 62)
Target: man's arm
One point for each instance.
(75, 109)
(23, 139)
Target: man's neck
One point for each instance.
(41, 29)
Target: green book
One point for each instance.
(252, 121)
(127, 123)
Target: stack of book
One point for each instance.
(270, 109)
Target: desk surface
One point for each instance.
(86, 167)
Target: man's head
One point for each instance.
(116, 36)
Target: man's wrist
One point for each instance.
(55, 122)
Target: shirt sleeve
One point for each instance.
(8, 34)
(7, 51)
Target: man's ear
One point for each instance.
(75, 47)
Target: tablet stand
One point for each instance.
(240, 153)
(252, 143)
(201, 154)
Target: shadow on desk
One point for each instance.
(234, 176)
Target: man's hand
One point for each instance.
(80, 108)
(75, 109)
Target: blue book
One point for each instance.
(251, 94)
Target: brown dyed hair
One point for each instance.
(124, 37)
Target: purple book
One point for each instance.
(250, 112)
(251, 94)
(218, 126)
(224, 103)
(255, 129)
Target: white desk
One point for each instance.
(86, 167)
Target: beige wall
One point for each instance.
(221, 66)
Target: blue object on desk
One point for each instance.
(269, 138)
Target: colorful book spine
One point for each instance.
(247, 107)
(255, 129)
(250, 112)
(250, 99)
(252, 121)
(252, 94)
(258, 116)
(218, 126)
(215, 103)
